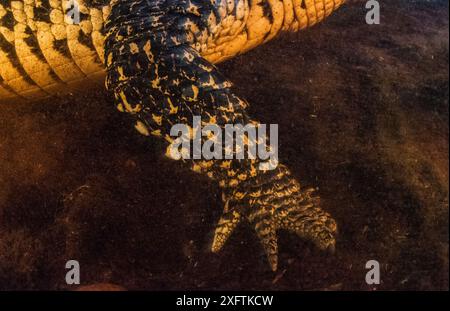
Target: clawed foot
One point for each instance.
(278, 203)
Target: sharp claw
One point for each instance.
(267, 234)
(278, 204)
(225, 227)
(312, 223)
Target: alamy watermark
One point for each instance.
(72, 16)
(373, 15)
(73, 275)
(228, 142)
(373, 275)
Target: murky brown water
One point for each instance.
(363, 113)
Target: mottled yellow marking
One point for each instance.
(110, 59)
(122, 76)
(242, 176)
(134, 48)
(239, 195)
(141, 128)
(195, 90)
(157, 119)
(231, 173)
(225, 164)
(156, 133)
(253, 171)
(148, 50)
(256, 194)
(196, 168)
(128, 107)
(233, 182)
(193, 9)
(206, 164)
(173, 109)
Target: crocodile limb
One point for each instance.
(159, 78)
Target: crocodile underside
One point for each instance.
(43, 52)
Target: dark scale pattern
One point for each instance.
(33, 44)
(267, 11)
(8, 19)
(41, 11)
(42, 54)
(8, 48)
(85, 38)
(62, 47)
(161, 80)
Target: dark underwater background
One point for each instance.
(362, 112)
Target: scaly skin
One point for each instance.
(159, 57)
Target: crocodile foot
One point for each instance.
(277, 204)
